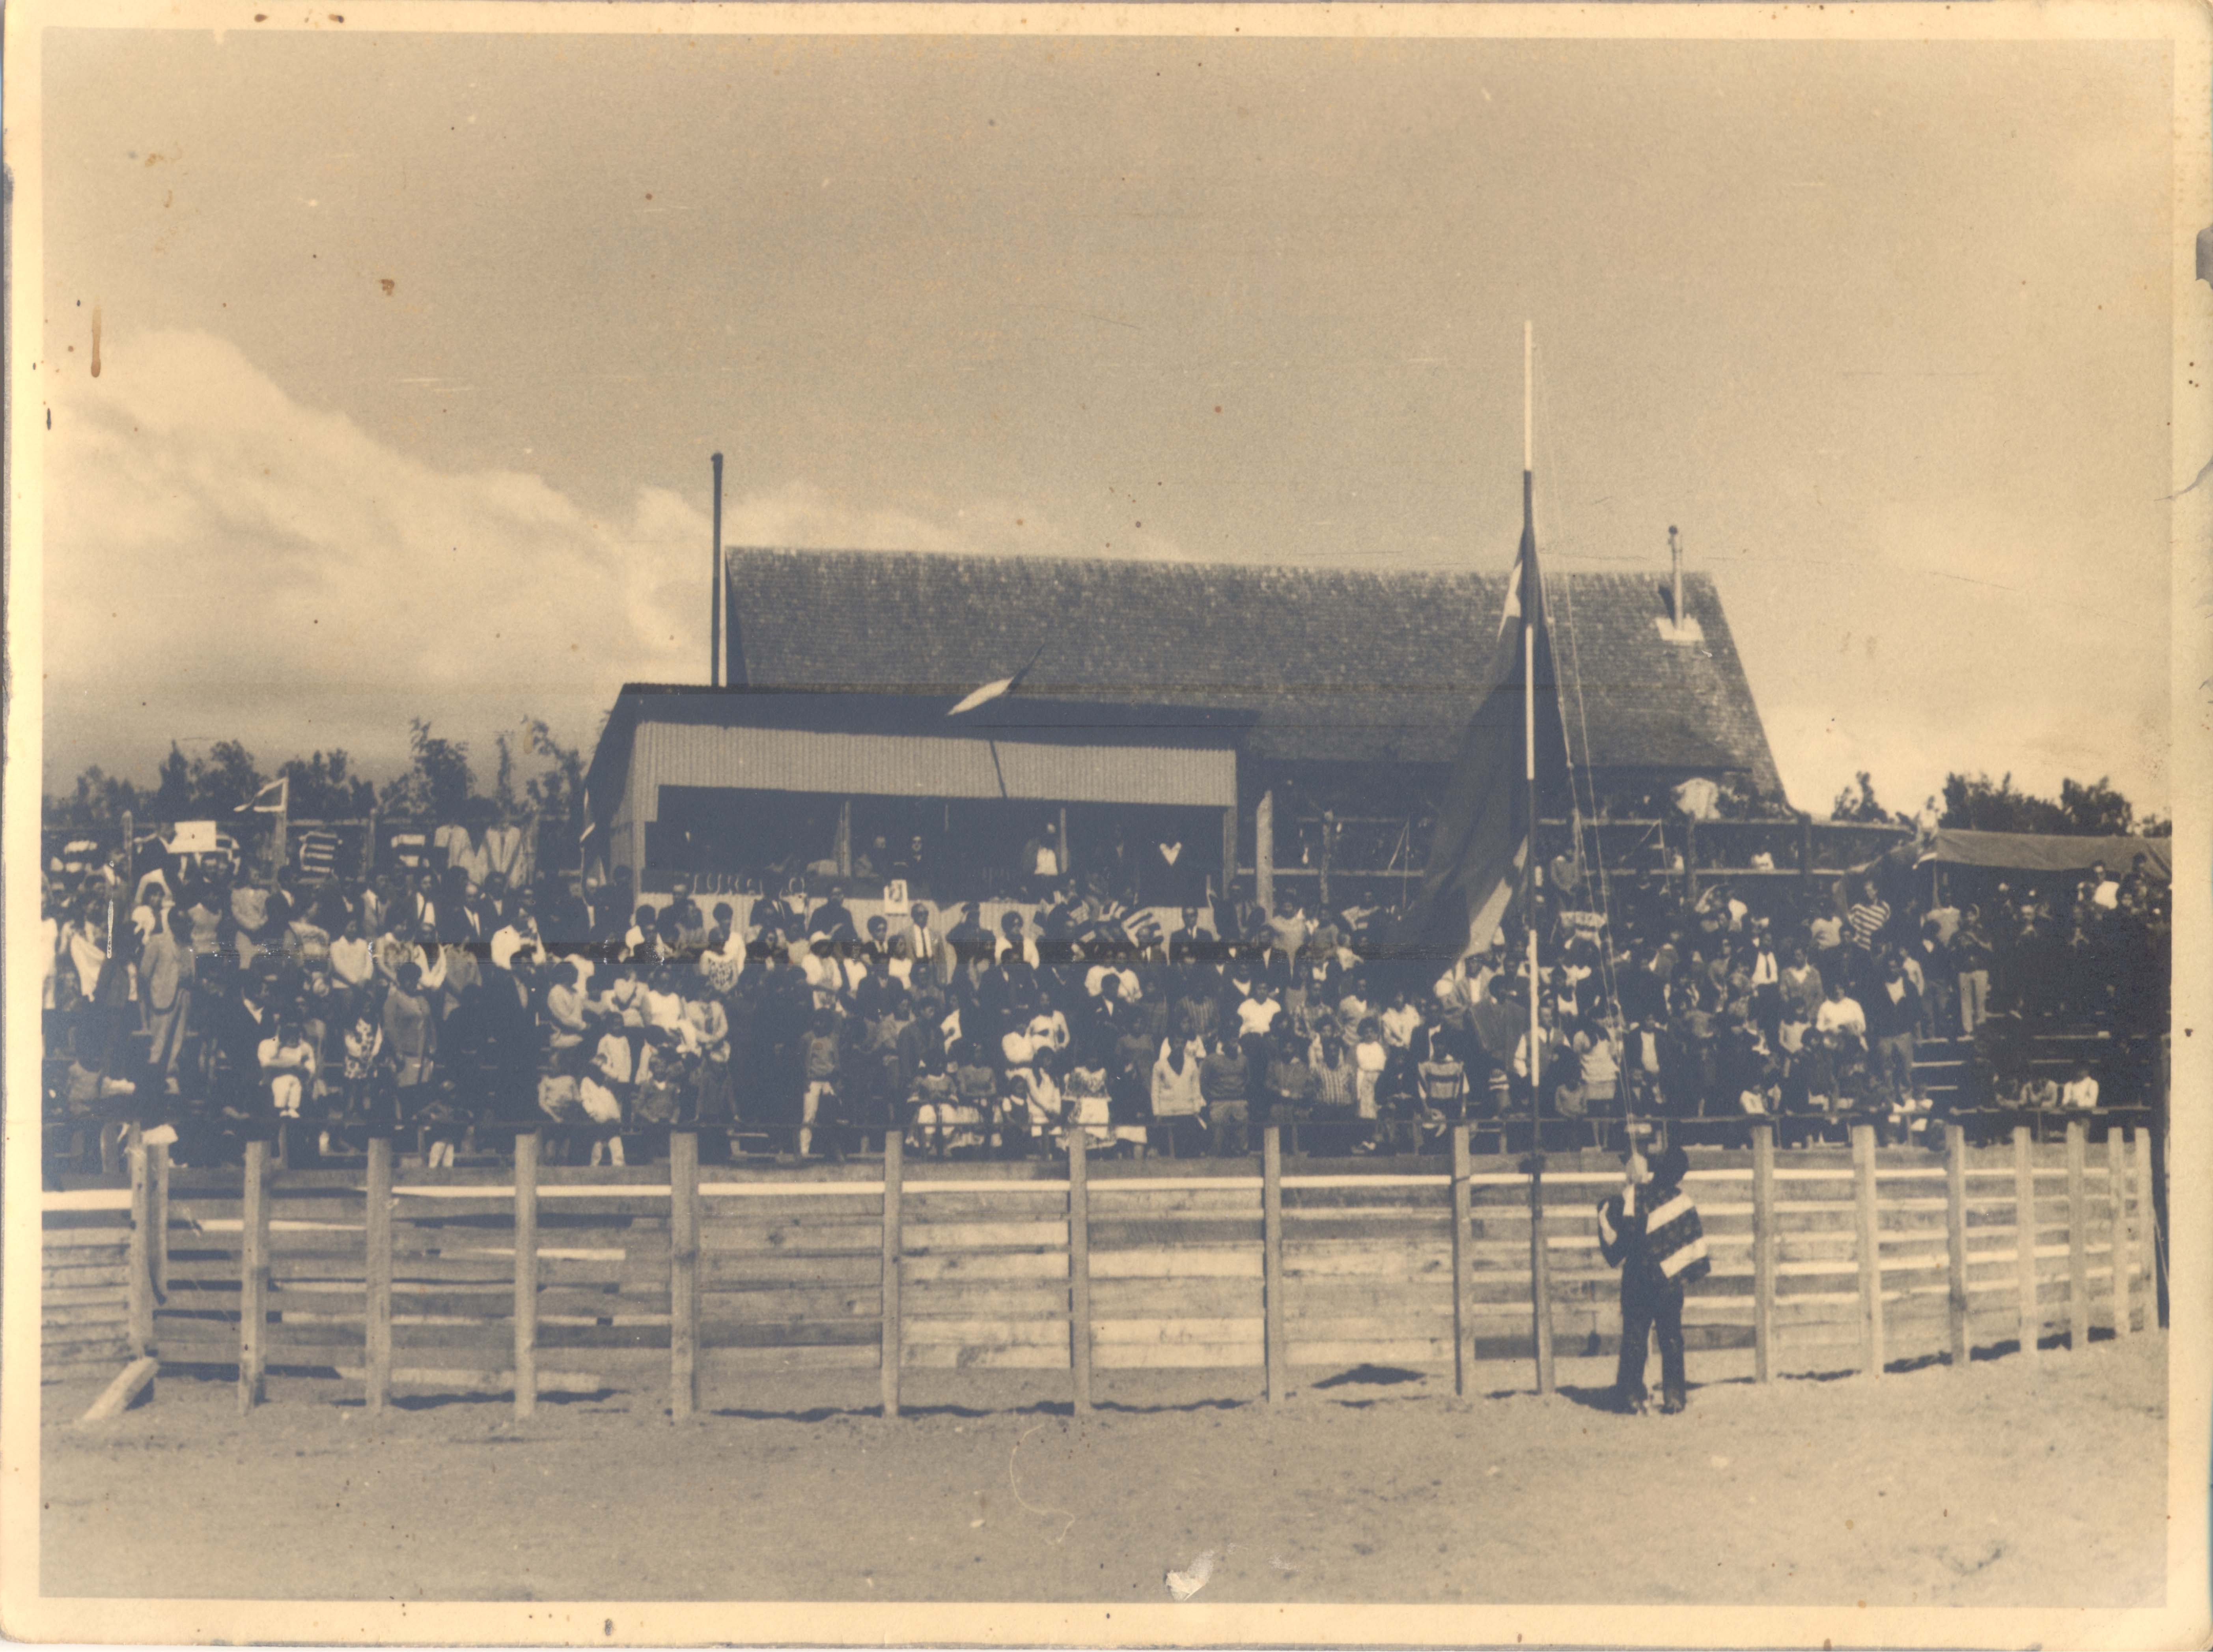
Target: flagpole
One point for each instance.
(1540, 1262)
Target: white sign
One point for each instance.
(193, 838)
(895, 892)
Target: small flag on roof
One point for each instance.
(1004, 686)
(270, 799)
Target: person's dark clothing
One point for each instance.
(1652, 1233)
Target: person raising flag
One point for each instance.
(1650, 1230)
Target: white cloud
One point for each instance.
(224, 561)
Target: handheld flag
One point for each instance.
(270, 799)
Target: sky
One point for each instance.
(412, 351)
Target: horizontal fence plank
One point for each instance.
(1141, 1357)
(953, 1358)
(988, 1299)
(926, 1237)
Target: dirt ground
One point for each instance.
(2008, 1483)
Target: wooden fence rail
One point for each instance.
(525, 1282)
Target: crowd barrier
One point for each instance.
(523, 1280)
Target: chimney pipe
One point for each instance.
(1676, 556)
(715, 594)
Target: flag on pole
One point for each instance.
(1481, 841)
(270, 799)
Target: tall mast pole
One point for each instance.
(1540, 1262)
(715, 594)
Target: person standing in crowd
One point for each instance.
(1650, 1230)
(1870, 915)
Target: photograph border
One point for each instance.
(2185, 1619)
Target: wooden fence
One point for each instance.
(528, 1280)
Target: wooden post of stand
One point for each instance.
(377, 1270)
(1228, 853)
(1955, 1242)
(1264, 852)
(1079, 1268)
(1870, 1251)
(2078, 1239)
(683, 1274)
(2121, 1250)
(1763, 1252)
(892, 1340)
(2024, 1238)
(157, 1211)
(526, 1272)
(843, 848)
(253, 1275)
(1463, 1265)
(138, 1257)
(1276, 1351)
(1067, 861)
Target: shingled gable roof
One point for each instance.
(1338, 666)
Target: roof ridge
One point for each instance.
(1045, 558)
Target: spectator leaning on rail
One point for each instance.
(1650, 1230)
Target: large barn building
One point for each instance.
(1180, 723)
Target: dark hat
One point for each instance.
(1671, 1166)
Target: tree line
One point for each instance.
(440, 782)
(1978, 803)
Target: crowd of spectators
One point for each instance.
(435, 1004)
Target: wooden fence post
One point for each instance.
(2078, 1239)
(1763, 1252)
(2147, 1229)
(138, 1257)
(2024, 1238)
(1276, 1348)
(157, 1213)
(526, 1272)
(1463, 1265)
(1540, 1266)
(376, 1272)
(683, 1274)
(253, 1275)
(1955, 1242)
(2122, 1248)
(892, 1339)
(1870, 1250)
(1079, 1267)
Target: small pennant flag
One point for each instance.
(270, 799)
(992, 690)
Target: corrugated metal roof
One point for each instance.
(929, 765)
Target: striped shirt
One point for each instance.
(1868, 918)
(1655, 1231)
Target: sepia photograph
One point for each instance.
(1183, 825)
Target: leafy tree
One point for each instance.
(225, 778)
(1857, 804)
(2094, 809)
(172, 792)
(439, 785)
(325, 787)
(557, 791)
